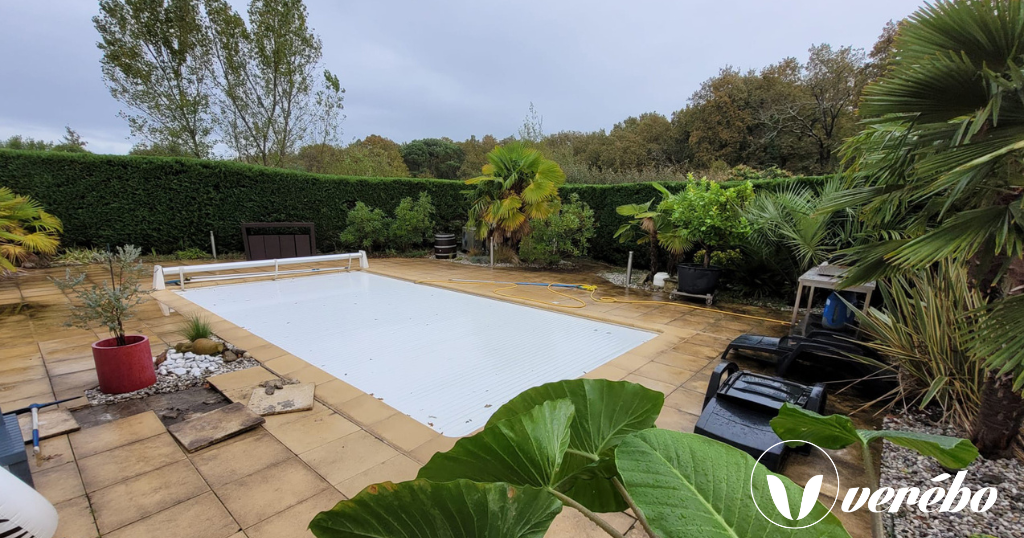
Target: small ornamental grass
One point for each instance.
(194, 327)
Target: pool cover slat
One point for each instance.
(445, 358)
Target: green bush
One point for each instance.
(194, 327)
(565, 234)
(708, 216)
(191, 253)
(367, 228)
(413, 223)
(162, 203)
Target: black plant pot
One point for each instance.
(696, 279)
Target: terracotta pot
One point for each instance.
(124, 368)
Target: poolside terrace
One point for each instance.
(129, 478)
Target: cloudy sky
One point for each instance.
(415, 69)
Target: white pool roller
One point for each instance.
(23, 509)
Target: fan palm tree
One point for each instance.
(652, 226)
(942, 153)
(25, 229)
(518, 184)
(792, 219)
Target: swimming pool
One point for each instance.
(445, 358)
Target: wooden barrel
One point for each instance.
(445, 246)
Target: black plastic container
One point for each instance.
(445, 246)
(695, 279)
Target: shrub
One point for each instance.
(367, 228)
(78, 256)
(112, 303)
(709, 216)
(194, 327)
(565, 234)
(191, 253)
(25, 229)
(413, 223)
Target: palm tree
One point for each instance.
(942, 153)
(792, 219)
(25, 229)
(652, 227)
(518, 185)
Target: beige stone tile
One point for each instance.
(199, 517)
(607, 371)
(124, 462)
(70, 366)
(699, 381)
(241, 379)
(23, 374)
(285, 365)
(664, 373)
(699, 351)
(59, 483)
(441, 443)
(256, 497)
(344, 458)
(367, 409)
(36, 389)
(114, 434)
(629, 362)
(52, 452)
(312, 374)
(293, 522)
(311, 432)
(144, 495)
(652, 384)
(74, 519)
(397, 469)
(676, 420)
(337, 392)
(274, 421)
(266, 352)
(682, 361)
(685, 399)
(403, 431)
(239, 457)
(572, 523)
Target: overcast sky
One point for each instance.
(415, 69)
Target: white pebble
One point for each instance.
(179, 371)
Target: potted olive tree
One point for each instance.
(707, 217)
(124, 362)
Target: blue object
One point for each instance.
(837, 313)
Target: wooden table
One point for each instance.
(827, 277)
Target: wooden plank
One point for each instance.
(287, 246)
(257, 247)
(273, 245)
(302, 246)
(215, 426)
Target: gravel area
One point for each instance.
(902, 467)
(618, 278)
(180, 371)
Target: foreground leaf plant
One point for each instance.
(587, 444)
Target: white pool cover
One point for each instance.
(445, 358)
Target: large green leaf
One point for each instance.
(525, 449)
(606, 413)
(688, 485)
(460, 509)
(837, 431)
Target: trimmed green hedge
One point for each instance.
(168, 204)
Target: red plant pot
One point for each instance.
(124, 368)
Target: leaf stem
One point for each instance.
(877, 528)
(587, 455)
(605, 526)
(636, 509)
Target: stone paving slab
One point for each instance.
(215, 426)
(288, 399)
(51, 424)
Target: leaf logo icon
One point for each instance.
(781, 499)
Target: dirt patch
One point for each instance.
(172, 408)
